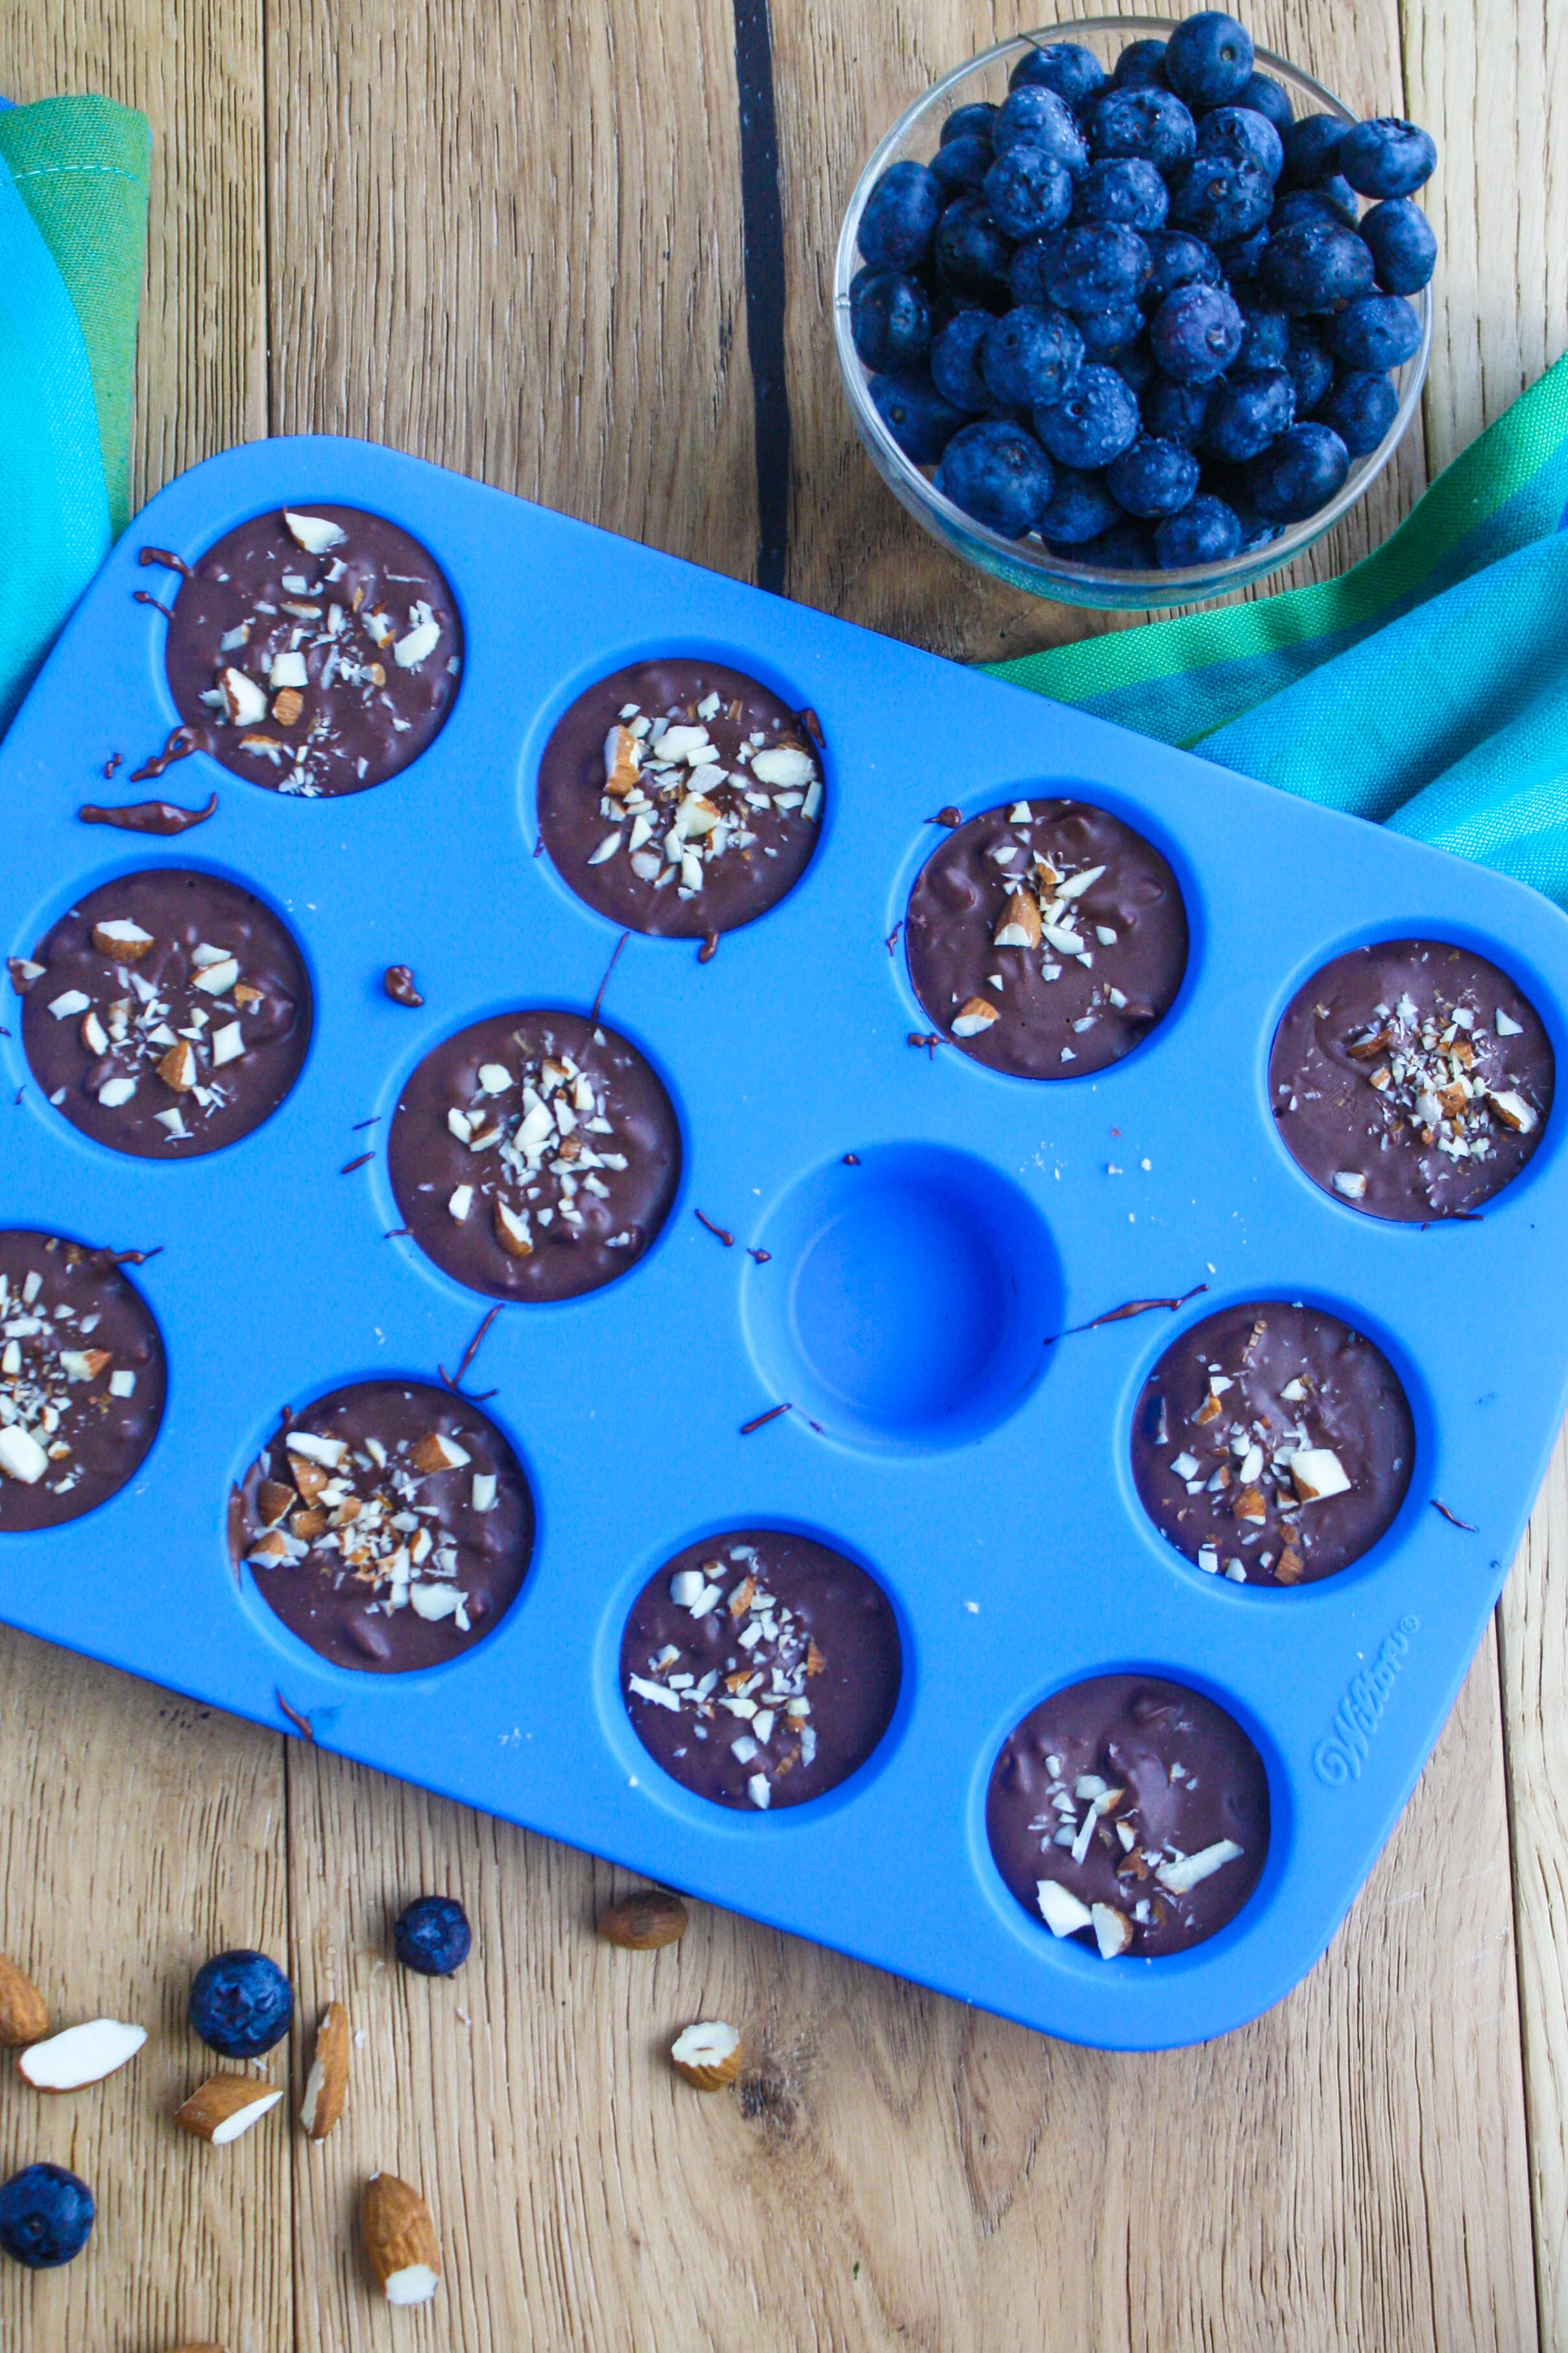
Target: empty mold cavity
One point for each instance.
(81, 1380)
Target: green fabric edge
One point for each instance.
(82, 167)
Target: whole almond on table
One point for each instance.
(24, 2017)
(327, 2085)
(400, 2241)
(709, 2055)
(224, 2106)
(644, 1921)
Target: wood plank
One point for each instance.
(843, 77)
(510, 241)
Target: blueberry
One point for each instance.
(1140, 65)
(955, 360)
(1176, 412)
(433, 1937)
(1033, 263)
(963, 164)
(1268, 98)
(1031, 356)
(1196, 332)
(1379, 331)
(1257, 531)
(1094, 424)
(1387, 158)
(1360, 409)
(1151, 125)
(1239, 260)
(1177, 259)
(972, 255)
(45, 2217)
(1135, 365)
(1096, 269)
(1127, 546)
(891, 319)
(997, 473)
(1205, 531)
(1208, 59)
(1124, 189)
(1106, 334)
(241, 2004)
(1316, 266)
(900, 217)
(1310, 368)
(1296, 474)
(1330, 200)
(1027, 191)
(975, 122)
(1046, 121)
(1313, 149)
(1079, 507)
(1267, 339)
(1221, 197)
(1153, 478)
(1237, 131)
(1402, 245)
(919, 420)
(1251, 409)
(1074, 73)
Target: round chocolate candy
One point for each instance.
(1411, 1079)
(81, 1380)
(1130, 1812)
(759, 1669)
(1045, 938)
(166, 1013)
(681, 798)
(315, 652)
(534, 1155)
(1272, 1444)
(389, 1526)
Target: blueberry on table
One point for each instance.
(957, 358)
(1125, 190)
(961, 164)
(1332, 200)
(1027, 191)
(1095, 269)
(1250, 408)
(1032, 355)
(1360, 409)
(1177, 259)
(241, 2004)
(1313, 149)
(977, 121)
(997, 473)
(1402, 245)
(1268, 98)
(1208, 59)
(1127, 546)
(1177, 412)
(1196, 332)
(1310, 368)
(889, 318)
(1073, 72)
(1153, 477)
(1315, 265)
(1094, 424)
(1267, 339)
(1140, 65)
(433, 1937)
(1043, 120)
(45, 2217)
(972, 255)
(1386, 157)
(1379, 331)
(1296, 474)
(901, 216)
(1106, 335)
(919, 420)
(1150, 123)
(1206, 531)
(1239, 132)
(1221, 198)
(1079, 507)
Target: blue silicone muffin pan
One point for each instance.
(980, 1473)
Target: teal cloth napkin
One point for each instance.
(73, 226)
(1426, 689)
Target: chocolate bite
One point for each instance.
(1272, 1445)
(680, 798)
(389, 1526)
(1412, 1080)
(81, 1380)
(534, 1155)
(1045, 938)
(168, 1013)
(315, 652)
(1130, 1812)
(759, 1669)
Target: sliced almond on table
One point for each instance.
(645, 1922)
(400, 2241)
(224, 2106)
(81, 2055)
(24, 2015)
(327, 2085)
(709, 2055)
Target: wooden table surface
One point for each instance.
(582, 253)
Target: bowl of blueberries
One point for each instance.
(1129, 320)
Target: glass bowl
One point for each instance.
(1028, 564)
